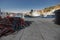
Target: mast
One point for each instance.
(0, 11)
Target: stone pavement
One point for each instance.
(40, 29)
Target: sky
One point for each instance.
(26, 5)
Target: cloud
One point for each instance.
(16, 11)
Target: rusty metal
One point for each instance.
(11, 24)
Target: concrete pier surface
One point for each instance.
(40, 29)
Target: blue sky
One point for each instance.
(19, 5)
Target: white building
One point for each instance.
(20, 15)
(17, 15)
(4, 14)
(49, 13)
(35, 13)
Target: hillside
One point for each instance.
(47, 10)
(51, 8)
